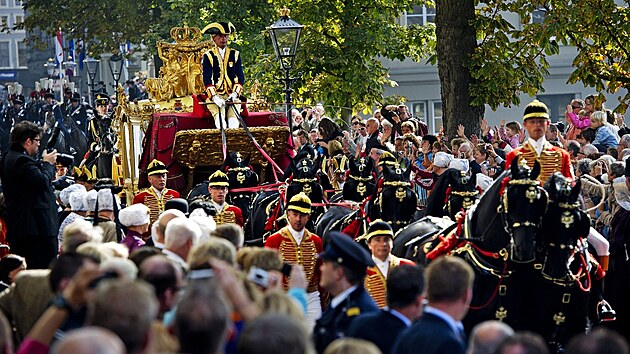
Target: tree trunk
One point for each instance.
(456, 41)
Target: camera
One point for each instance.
(258, 276)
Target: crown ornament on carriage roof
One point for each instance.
(186, 34)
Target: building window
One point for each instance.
(5, 61)
(3, 3)
(419, 110)
(436, 122)
(18, 3)
(557, 104)
(23, 54)
(421, 15)
(4, 22)
(18, 20)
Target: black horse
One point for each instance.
(555, 289)
(71, 140)
(395, 202)
(241, 176)
(360, 184)
(493, 236)
(267, 214)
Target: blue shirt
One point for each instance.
(603, 136)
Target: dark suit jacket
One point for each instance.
(335, 322)
(430, 335)
(381, 328)
(372, 141)
(30, 199)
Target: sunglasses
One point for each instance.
(574, 107)
(355, 123)
(361, 128)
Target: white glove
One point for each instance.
(218, 101)
(233, 96)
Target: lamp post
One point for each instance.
(115, 66)
(92, 69)
(285, 36)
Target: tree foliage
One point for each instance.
(513, 58)
(338, 56)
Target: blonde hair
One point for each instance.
(213, 248)
(352, 346)
(281, 303)
(598, 117)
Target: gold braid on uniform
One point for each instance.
(550, 160)
(155, 204)
(376, 284)
(226, 216)
(304, 254)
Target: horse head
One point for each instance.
(397, 200)
(239, 171)
(462, 191)
(562, 226)
(304, 178)
(524, 202)
(360, 181)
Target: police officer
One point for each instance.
(222, 74)
(342, 273)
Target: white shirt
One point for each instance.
(383, 266)
(538, 145)
(344, 294)
(297, 235)
(157, 192)
(175, 258)
(222, 52)
(218, 207)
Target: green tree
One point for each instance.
(338, 57)
(511, 58)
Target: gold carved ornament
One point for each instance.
(181, 74)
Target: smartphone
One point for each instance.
(200, 274)
(286, 269)
(258, 276)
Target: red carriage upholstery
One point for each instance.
(160, 136)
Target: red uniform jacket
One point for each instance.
(155, 204)
(552, 159)
(376, 284)
(304, 254)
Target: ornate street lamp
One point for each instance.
(92, 69)
(285, 36)
(115, 66)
